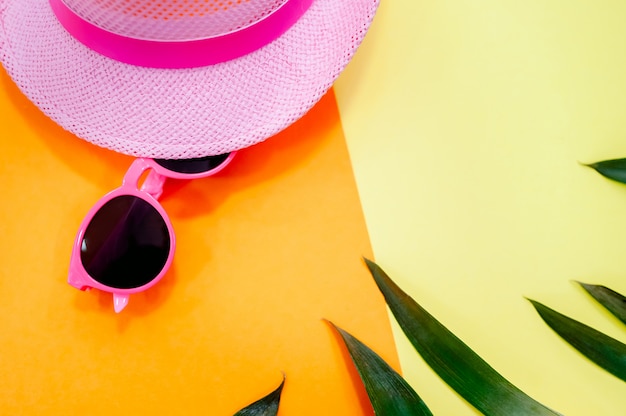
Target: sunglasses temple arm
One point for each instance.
(154, 184)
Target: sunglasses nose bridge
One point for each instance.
(153, 183)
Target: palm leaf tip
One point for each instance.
(613, 301)
(389, 393)
(453, 361)
(603, 350)
(266, 406)
(614, 169)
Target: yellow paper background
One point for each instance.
(466, 121)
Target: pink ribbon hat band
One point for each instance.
(183, 53)
(178, 79)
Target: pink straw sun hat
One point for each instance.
(178, 78)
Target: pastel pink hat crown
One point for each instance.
(178, 78)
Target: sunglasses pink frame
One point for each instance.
(150, 191)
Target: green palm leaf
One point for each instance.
(389, 394)
(614, 169)
(460, 367)
(603, 350)
(267, 406)
(610, 299)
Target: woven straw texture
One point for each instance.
(180, 113)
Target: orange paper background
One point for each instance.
(265, 250)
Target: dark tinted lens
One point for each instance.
(126, 244)
(198, 165)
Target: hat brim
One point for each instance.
(179, 113)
